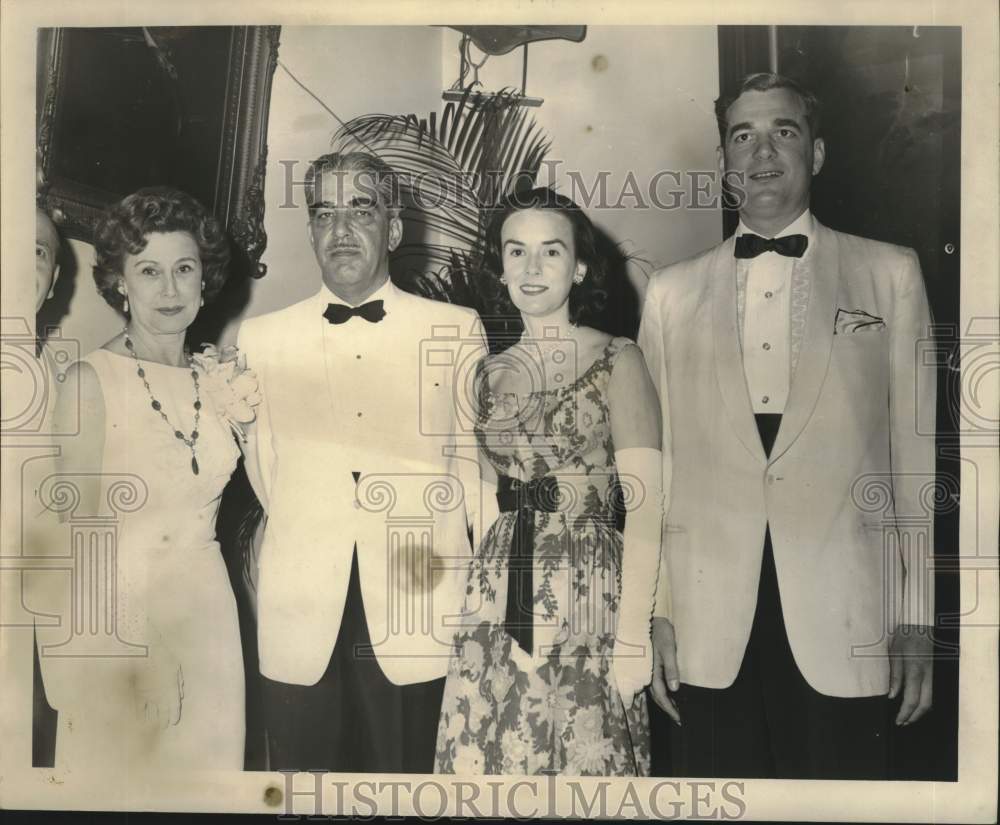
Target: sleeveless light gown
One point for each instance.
(170, 572)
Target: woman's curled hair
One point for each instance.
(126, 227)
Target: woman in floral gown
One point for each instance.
(554, 647)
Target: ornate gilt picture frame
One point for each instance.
(186, 106)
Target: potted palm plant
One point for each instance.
(453, 167)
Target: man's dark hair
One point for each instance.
(763, 82)
(370, 173)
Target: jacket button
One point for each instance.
(770, 479)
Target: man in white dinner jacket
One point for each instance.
(797, 540)
(368, 512)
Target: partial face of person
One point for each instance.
(539, 261)
(769, 143)
(352, 232)
(46, 258)
(163, 283)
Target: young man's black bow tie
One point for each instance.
(339, 313)
(750, 246)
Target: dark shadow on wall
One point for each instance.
(56, 308)
(44, 718)
(227, 306)
(621, 312)
(237, 504)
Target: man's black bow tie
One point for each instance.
(340, 314)
(750, 246)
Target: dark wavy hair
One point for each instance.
(587, 299)
(126, 227)
(764, 82)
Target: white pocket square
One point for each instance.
(856, 320)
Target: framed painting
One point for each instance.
(186, 106)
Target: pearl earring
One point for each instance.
(202, 301)
(125, 305)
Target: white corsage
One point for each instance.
(230, 385)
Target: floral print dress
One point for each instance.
(555, 708)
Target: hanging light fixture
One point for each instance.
(500, 40)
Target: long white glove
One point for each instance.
(641, 472)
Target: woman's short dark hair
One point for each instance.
(586, 299)
(126, 227)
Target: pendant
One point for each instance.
(194, 465)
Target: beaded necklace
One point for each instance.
(189, 442)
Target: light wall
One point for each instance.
(624, 100)
(90, 321)
(354, 71)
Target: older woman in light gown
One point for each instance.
(151, 433)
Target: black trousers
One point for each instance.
(770, 722)
(354, 719)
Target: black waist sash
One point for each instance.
(526, 498)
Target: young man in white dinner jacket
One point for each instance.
(795, 409)
(366, 544)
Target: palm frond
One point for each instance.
(453, 167)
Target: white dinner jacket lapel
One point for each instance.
(816, 345)
(729, 352)
(814, 360)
